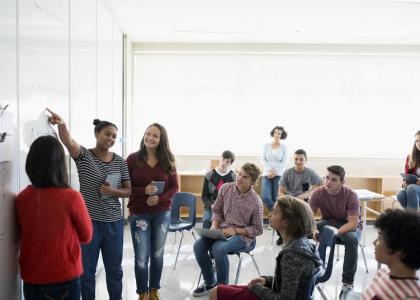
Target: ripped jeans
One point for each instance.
(148, 232)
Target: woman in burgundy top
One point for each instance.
(409, 195)
(150, 208)
(53, 221)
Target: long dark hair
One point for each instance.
(163, 152)
(414, 160)
(46, 164)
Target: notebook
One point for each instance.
(409, 178)
(210, 233)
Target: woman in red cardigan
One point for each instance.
(409, 195)
(53, 221)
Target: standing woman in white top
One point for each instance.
(274, 159)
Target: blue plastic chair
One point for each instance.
(326, 240)
(310, 285)
(182, 199)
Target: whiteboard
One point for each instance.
(331, 104)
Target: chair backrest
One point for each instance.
(327, 240)
(310, 286)
(179, 200)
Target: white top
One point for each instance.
(274, 159)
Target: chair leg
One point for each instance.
(255, 264)
(272, 237)
(364, 257)
(193, 234)
(321, 292)
(179, 248)
(199, 279)
(338, 252)
(238, 270)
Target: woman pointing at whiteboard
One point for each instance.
(104, 178)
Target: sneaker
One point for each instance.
(202, 290)
(345, 289)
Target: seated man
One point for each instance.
(213, 181)
(238, 213)
(397, 246)
(299, 181)
(340, 208)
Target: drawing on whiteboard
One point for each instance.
(6, 135)
(36, 128)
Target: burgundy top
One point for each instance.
(52, 222)
(141, 176)
(335, 207)
(407, 168)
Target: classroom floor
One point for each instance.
(177, 284)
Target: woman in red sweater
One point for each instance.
(150, 208)
(53, 221)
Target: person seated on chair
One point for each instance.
(238, 213)
(213, 181)
(409, 195)
(339, 206)
(295, 263)
(398, 247)
(299, 181)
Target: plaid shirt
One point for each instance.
(233, 209)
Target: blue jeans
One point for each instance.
(148, 232)
(219, 250)
(69, 290)
(350, 240)
(410, 197)
(207, 218)
(270, 189)
(108, 237)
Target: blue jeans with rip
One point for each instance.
(108, 237)
(69, 290)
(410, 197)
(219, 249)
(148, 232)
(270, 190)
(350, 240)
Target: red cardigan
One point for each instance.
(52, 222)
(143, 175)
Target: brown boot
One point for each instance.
(144, 296)
(154, 294)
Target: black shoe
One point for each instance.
(279, 241)
(202, 290)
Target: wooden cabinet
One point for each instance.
(193, 182)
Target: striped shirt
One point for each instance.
(93, 172)
(386, 287)
(233, 209)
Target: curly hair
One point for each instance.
(401, 232)
(252, 170)
(283, 135)
(300, 218)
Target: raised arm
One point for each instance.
(64, 134)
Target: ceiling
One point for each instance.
(269, 21)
